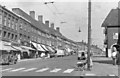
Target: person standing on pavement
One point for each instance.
(114, 53)
(91, 61)
(118, 58)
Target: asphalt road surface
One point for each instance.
(60, 66)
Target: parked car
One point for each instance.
(8, 58)
(60, 53)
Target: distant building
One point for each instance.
(111, 29)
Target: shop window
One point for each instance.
(8, 35)
(4, 34)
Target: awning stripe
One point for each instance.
(40, 48)
(44, 47)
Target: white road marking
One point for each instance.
(29, 69)
(111, 75)
(7, 69)
(89, 74)
(68, 71)
(42, 70)
(17, 69)
(55, 70)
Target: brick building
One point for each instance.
(22, 29)
(111, 29)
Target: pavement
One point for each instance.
(103, 67)
(61, 66)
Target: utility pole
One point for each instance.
(89, 35)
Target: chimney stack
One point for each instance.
(47, 23)
(58, 29)
(52, 25)
(40, 18)
(32, 14)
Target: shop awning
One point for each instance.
(3, 46)
(27, 48)
(34, 44)
(44, 47)
(17, 48)
(50, 49)
(40, 48)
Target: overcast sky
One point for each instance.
(73, 12)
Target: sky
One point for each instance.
(73, 12)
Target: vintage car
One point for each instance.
(7, 57)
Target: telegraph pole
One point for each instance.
(89, 35)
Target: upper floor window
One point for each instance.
(12, 23)
(4, 34)
(5, 19)
(20, 36)
(0, 17)
(12, 36)
(0, 33)
(25, 24)
(115, 36)
(16, 24)
(15, 37)
(9, 22)
(8, 36)
(20, 26)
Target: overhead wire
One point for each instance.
(58, 13)
(54, 13)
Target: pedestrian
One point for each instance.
(114, 53)
(118, 58)
(91, 62)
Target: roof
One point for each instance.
(112, 18)
(29, 18)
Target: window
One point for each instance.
(20, 25)
(25, 26)
(12, 23)
(12, 36)
(15, 37)
(115, 36)
(4, 34)
(8, 36)
(0, 33)
(5, 19)
(16, 23)
(9, 22)
(0, 17)
(20, 36)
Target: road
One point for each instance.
(60, 66)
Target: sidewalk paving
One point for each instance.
(102, 67)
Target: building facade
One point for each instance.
(20, 28)
(111, 30)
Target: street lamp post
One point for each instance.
(89, 35)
